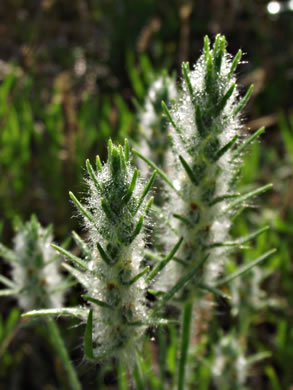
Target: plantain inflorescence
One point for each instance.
(36, 280)
(205, 128)
(114, 215)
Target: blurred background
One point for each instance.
(70, 74)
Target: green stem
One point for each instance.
(58, 343)
(186, 328)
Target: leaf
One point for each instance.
(92, 175)
(158, 268)
(80, 276)
(241, 240)
(188, 170)
(247, 142)
(97, 302)
(185, 336)
(243, 101)
(8, 292)
(249, 195)
(7, 282)
(180, 284)
(81, 243)
(59, 312)
(159, 171)
(244, 268)
(7, 253)
(146, 189)
(82, 209)
(138, 276)
(235, 62)
(185, 70)
(88, 340)
(104, 255)
(76, 260)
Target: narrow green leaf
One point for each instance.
(138, 376)
(162, 349)
(88, 340)
(188, 170)
(126, 150)
(240, 241)
(185, 336)
(97, 302)
(60, 348)
(138, 227)
(104, 255)
(171, 120)
(235, 62)
(8, 292)
(199, 122)
(247, 142)
(159, 171)
(225, 99)
(155, 293)
(98, 163)
(164, 262)
(206, 47)
(92, 174)
(82, 209)
(88, 337)
(131, 186)
(76, 260)
(80, 276)
(122, 158)
(224, 197)
(110, 148)
(180, 261)
(138, 276)
(82, 245)
(149, 205)
(158, 322)
(244, 268)
(180, 284)
(7, 253)
(185, 70)
(62, 311)
(225, 148)
(146, 189)
(7, 282)
(243, 101)
(107, 210)
(215, 291)
(273, 378)
(122, 375)
(252, 235)
(183, 219)
(209, 73)
(248, 196)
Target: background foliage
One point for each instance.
(70, 71)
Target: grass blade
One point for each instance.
(186, 329)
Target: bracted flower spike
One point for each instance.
(114, 214)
